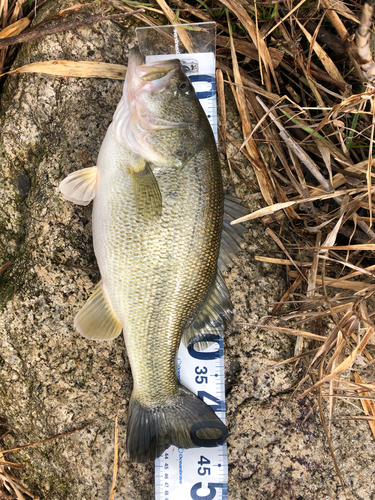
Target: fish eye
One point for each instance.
(183, 86)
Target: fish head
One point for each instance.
(167, 98)
(163, 120)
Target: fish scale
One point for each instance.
(164, 278)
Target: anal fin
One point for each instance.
(146, 191)
(80, 186)
(97, 320)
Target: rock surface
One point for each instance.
(52, 380)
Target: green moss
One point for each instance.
(14, 278)
(7, 287)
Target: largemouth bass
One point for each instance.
(157, 224)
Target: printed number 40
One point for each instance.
(211, 486)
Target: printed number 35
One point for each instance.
(199, 379)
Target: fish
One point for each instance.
(157, 223)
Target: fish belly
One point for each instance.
(156, 273)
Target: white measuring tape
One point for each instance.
(197, 473)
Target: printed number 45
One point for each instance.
(202, 471)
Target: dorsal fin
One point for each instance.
(231, 236)
(209, 320)
(218, 306)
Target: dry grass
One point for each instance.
(320, 127)
(299, 82)
(10, 486)
(115, 462)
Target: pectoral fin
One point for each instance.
(146, 191)
(80, 186)
(97, 320)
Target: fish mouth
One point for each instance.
(157, 70)
(132, 123)
(144, 78)
(149, 77)
(155, 77)
(152, 78)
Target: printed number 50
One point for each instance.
(211, 486)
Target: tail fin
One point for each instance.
(184, 421)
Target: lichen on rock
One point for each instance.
(51, 379)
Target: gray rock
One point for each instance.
(52, 380)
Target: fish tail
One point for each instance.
(184, 421)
